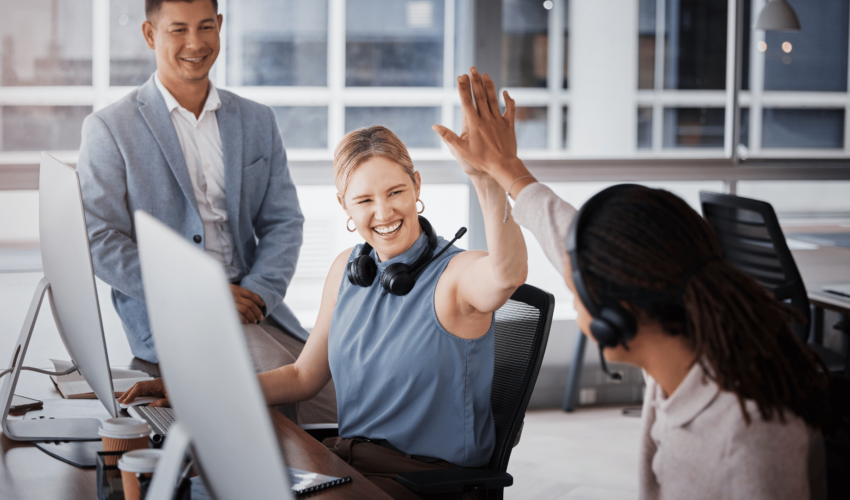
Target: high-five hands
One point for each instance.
(155, 388)
(248, 303)
(487, 143)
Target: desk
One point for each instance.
(28, 473)
(824, 266)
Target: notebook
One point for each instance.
(74, 386)
(307, 482)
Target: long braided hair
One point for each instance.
(638, 247)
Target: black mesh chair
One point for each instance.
(753, 242)
(522, 332)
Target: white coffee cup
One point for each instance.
(133, 464)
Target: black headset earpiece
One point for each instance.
(362, 269)
(612, 324)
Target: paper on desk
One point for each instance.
(74, 386)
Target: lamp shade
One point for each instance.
(778, 15)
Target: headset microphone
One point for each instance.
(616, 376)
(458, 235)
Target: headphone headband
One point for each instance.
(612, 324)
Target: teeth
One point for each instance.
(194, 60)
(389, 228)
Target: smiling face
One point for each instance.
(381, 200)
(185, 36)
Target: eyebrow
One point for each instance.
(180, 23)
(368, 195)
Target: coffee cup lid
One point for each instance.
(124, 428)
(140, 461)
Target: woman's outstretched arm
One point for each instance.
(311, 371)
(488, 148)
(484, 281)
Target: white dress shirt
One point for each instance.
(200, 141)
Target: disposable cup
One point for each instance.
(124, 434)
(134, 464)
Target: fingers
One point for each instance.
(131, 395)
(464, 88)
(449, 137)
(510, 108)
(161, 403)
(480, 95)
(247, 294)
(492, 98)
(249, 310)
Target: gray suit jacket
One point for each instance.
(130, 159)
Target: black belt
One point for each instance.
(386, 444)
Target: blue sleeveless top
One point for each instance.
(402, 377)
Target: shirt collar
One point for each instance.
(694, 394)
(212, 104)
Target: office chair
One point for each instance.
(522, 332)
(753, 243)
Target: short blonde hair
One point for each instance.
(361, 145)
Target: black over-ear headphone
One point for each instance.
(612, 324)
(398, 278)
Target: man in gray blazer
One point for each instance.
(212, 166)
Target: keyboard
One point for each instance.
(160, 420)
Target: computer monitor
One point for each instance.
(207, 368)
(70, 285)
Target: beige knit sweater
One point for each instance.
(696, 444)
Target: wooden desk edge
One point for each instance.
(301, 451)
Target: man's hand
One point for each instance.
(248, 303)
(487, 143)
(155, 388)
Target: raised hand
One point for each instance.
(487, 143)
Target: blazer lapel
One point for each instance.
(156, 115)
(229, 119)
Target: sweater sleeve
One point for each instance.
(548, 217)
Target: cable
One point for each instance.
(39, 370)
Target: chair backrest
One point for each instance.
(522, 332)
(754, 243)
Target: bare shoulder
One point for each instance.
(461, 259)
(338, 266)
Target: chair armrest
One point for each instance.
(454, 480)
(320, 432)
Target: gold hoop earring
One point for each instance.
(349, 229)
(423, 206)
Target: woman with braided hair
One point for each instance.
(734, 402)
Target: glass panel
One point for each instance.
(277, 42)
(695, 54)
(646, 44)
(303, 127)
(644, 128)
(524, 43)
(803, 128)
(802, 201)
(37, 128)
(531, 127)
(693, 127)
(744, 130)
(814, 58)
(131, 61)
(565, 124)
(411, 125)
(566, 44)
(45, 42)
(394, 44)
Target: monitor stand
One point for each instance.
(42, 429)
